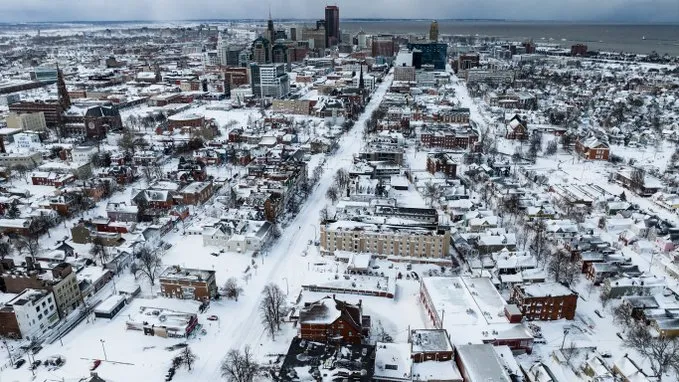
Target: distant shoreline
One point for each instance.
(354, 20)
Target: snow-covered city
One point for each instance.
(299, 201)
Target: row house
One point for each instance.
(40, 178)
(460, 116)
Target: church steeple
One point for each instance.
(64, 98)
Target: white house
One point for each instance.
(35, 311)
(245, 236)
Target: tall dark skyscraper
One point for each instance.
(332, 32)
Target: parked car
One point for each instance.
(19, 363)
(213, 318)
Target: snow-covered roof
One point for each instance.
(392, 360)
(481, 363)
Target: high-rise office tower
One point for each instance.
(434, 31)
(332, 31)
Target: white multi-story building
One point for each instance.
(269, 80)
(36, 312)
(27, 141)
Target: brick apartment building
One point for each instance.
(197, 193)
(330, 320)
(545, 301)
(442, 162)
(448, 137)
(187, 283)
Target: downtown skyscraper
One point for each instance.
(332, 31)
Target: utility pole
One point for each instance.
(104, 349)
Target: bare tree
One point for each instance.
(379, 334)
(332, 194)
(272, 308)
(342, 178)
(431, 192)
(5, 248)
(662, 352)
(148, 264)
(231, 289)
(637, 178)
(29, 244)
(13, 212)
(622, 315)
(21, 170)
(99, 250)
(563, 268)
(126, 141)
(239, 367)
(317, 173)
(539, 242)
(187, 357)
(324, 214)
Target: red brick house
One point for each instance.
(331, 320)
(51, 179)
(517, 128)
(592, 149)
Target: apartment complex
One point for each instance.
(362, 237)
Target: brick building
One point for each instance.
(592, 149)
(449, 137)
(197, 193)
(187, 283)
(545, 301)
(442, 162)
(331, 320)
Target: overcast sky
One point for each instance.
(566, 10)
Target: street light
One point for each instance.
(315, 233)
(104, 349)
(565, 333)
(287, 289)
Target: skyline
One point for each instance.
(613, 11)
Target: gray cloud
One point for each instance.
(573, 10)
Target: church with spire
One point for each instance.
(89, 119)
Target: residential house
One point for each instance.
(329, 320)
